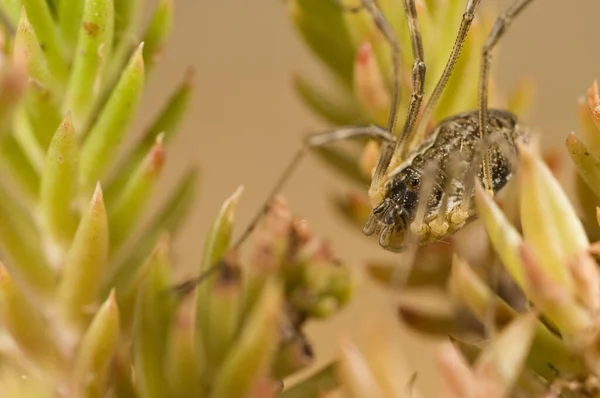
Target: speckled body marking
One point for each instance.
(456, 137)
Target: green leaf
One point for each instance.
(108, 131)
(58, 189)
(157, 32)
(549, 221)
(21, 246)
(505, 239)
(25, 136)
(42, 111)
(184, 368)
(166, 123)
(16, 167)
(215, 248)
(250, 356)
(84, 265)
(12, 10)
(169, 218)
(222, 315)
(28, 51)
(91, 55)
(502, 361)
(96, 351)
(50, 37)
(127, 19)
(587, 165)
(70, 14)
(547, 347)
(28, 325)
(153, 317)
(322, 27)
(127, 208)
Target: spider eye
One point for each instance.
(414, 182)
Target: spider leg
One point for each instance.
(312, 141)
(498, 30)
(465, 24)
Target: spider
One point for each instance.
(423, 192)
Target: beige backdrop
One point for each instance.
(246, 121)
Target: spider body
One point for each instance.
(453, 148)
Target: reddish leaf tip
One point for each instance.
(365, 53)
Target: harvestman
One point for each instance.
(441, 168)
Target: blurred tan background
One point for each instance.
(246, 122)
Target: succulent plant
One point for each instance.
(87, 306)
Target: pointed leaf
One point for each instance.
(127, 19)
(469, 289)
(16, 167)
(70, 13)
(157, 32)
(28, 51)
(222, 316)
(184, 367)
(154, 311)
(28, 326)
(48, 32)
(550, 223)
(42, 111)
(556, 302)
(58, 189)
(587, 165)
(165, 124)
(503, 236)
(322, 27)
(12, 10)
(25, 136)
(84, 264)
(108, 131)
(215, 248)
(91, 55)
(457, 379)
(20, 245)
(249, 357)
(369, 85)
(356, 376)
(97, 349)
(502, 361)
(127, 208)
(169, 218)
